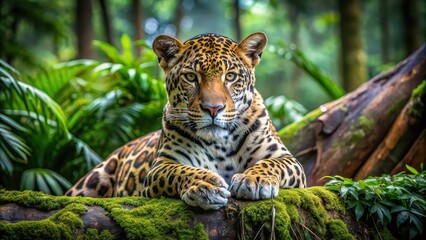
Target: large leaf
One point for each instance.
(91, 157)
(45, 180)
(29, 98)
(12, 146)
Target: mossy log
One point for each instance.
(294, 214)
(376, 129)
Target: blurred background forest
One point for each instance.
(78, 78)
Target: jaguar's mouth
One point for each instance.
(213, 127)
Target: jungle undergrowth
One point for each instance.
(397, 202)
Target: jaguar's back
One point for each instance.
(215, 131)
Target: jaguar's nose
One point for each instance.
(212, 110)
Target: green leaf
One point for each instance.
(418, 213)
(28, 180)
(38, 101)
(5, 163)
(359, 211)
(374, 208)
(380, 216)
(13, 147)
(91, 157)
(126, 44)
(351, 204)
(386, 213)
(417, 222)
(398, 209)
(52, 183)
(413, 233)
(344, 190)
(108, 50)
(116, 67)
(411, 169)
(61, 180)
(41, 183)
(401, 218)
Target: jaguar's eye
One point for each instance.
(230, 76)
(190, 77)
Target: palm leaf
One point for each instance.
(12, 147)
(45, 180)
(91, 157)
(55, 82)
(12, 143)
(29, 98)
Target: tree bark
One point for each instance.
(179, 14)
(402, 134)
(316, 212)
(84, 28)
(372, 130)
(354, 59)
(137, 19)
(237, 20)
(106, 20)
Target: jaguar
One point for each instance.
(217, 139)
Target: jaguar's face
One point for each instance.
(209, 80)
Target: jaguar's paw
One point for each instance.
(253, 187)
(207, 194)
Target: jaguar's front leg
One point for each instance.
(198, 187)
(263, 180)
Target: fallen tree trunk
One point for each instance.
(294, 214)
(376, 129)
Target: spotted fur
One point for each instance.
(217, 139)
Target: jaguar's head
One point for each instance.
(209, 80)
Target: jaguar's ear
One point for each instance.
(167, 49)
(250, 49)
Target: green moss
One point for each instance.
(418, 105)
(44, 201)
(366, 123)
(292, 129)
(93, 234)
(317, 215)
(149, 219)
(157, 219)
(258, 214)
(330, 200)
(420, 90)
(60, 225)
(396, 106)
(314, 202)
(338, 230)
(360, 130)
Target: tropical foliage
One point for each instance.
(33, 129)
(395, 201)
(98, 106)
(284, 111)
